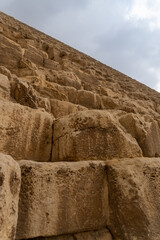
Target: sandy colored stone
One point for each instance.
(145, 130)
(34, 55)
(134, 197)
(96, 235)
(52, 70)
(91, 135)
(25, 133)
(10, 179)
(24, 93)
(62, 108)
(92, 235)
(4, 87)
(61, 198)
(10, 53)
(88, 99)
(62, 237)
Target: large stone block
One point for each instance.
(4, 87)
(95, 235)
(63, 108)
(145, 130)
(61, 198)
(10, 179)
(10, 53)
(134, 199)
(103, 234)
(92, 134)
(25, 133)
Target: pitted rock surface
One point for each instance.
(10, 180)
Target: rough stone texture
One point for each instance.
(96, 235)
(92, 235)
(61, 198)
(145, 130)
(25, 133)
(46, 75)
(4, 87)
(134, 199)
(9, 196)
(91, 135)
(10, 52)
(62, 108)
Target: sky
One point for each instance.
(123, 34)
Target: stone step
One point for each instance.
(61, 198)
(10, 179)
(92, 134)
(103, 234)
(25, 133)
(70, 197)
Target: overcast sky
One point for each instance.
(123, 34)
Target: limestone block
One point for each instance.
(92, 235)
(25, 133)
(63, 108)
(61, 198)
(23, 93)
(95, 235)
(134, 198)
(151, 143)
(10, 53)
(68, 78)
(62, 237)
(91, 134)
(109, 102)
(34, 55)
(9, 196)
(4, 87)
(48, 63)
(88, 99)
(145, 130)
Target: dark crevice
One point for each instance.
(110, 232)
(74, 237)
(52, 142)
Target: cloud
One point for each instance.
(122, 34)
(145, 10)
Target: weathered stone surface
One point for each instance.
(25, 94)
(62, 237)
(62, 108)
(145, 130)
(61, 80)
(10, 53)
(91, 135)
(25, 133)
(9, 196)
(61, 198)
(4, 87)
(134, 198)
(96, 235)
(92, 235)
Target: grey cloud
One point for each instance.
(98, 28)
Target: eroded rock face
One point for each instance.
(91, 135)
(101, 114)
(134, 197)
(4, 87)
(61, 198)
(96, 235)
(145, 130)
(92, 235)
(25, 133)
(10, 179)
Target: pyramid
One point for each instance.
(86, 139)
